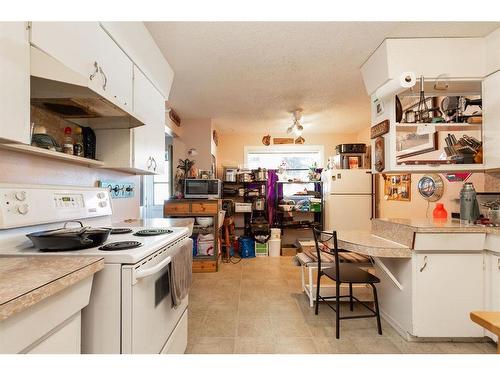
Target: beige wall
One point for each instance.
(231, 145)
(418, 206)
(195, 134)
(20, 168)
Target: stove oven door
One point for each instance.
(148, 317)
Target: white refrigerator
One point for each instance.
(348, 195)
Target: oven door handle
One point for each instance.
(142, 273)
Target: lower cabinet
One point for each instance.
(446, 288)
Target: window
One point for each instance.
(298, 159)
(157, 188)
(162, 183)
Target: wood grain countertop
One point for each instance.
(25, 281)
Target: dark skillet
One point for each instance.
(65, 239)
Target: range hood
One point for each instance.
(66, 93)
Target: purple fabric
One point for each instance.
(272, 177)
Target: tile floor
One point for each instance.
(257, 306)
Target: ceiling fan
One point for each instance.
(296, 127)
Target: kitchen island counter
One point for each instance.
(26, 281)
(366, 243)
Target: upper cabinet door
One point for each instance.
(149, 140)
(87, 49)
(14, 81)
(491, 120)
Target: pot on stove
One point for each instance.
(66, 238)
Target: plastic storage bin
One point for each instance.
(261, 249)
(246, 247)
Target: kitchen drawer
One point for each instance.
(205, 208)
(176, 208)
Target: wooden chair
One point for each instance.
(342, 273)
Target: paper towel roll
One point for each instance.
(397, 85)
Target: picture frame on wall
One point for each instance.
(397, 187)
(409, 143)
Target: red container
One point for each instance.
(439, 212)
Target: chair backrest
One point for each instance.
(327, 240)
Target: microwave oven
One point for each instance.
(202, 189)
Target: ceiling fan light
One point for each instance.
(289, 130)
(298, 131)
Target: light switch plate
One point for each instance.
(119, 189)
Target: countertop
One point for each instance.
(366, 243)
(25, 281)
(449, 226)
(157, 222)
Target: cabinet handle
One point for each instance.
(425, 264)
(96, 67)
(150, 162)
(105, 78)
(154, 161)
(498, 263)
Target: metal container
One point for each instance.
(469, 207)
(260, 174)
(244, 176)
(259, 204)
(230, 174)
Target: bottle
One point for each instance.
(439, 213)
(78, 147)
(68, 141)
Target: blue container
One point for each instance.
(247, 247)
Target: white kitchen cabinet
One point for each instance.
(493, 281)
(14, 82)
(88, 50)
(446, 288)
(491, 119)
(140, 150)
(149, 140)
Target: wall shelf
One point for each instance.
(440, 126)
(37, 151)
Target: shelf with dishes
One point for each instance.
(51, 154)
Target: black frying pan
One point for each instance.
(64, 239)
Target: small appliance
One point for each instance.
(350, 156)
(469, 207)
(202, 189)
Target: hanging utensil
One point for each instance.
(423, 109)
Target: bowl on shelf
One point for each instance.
(205, 221)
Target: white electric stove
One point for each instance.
(130, 309)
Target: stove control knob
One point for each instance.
(20, 195)
(103, 204)
(23, 209)
(101, 195)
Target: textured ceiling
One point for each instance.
(247, 76)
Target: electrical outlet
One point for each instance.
(119, 189)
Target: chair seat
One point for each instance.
(349, 273)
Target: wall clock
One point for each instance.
(431, 187)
